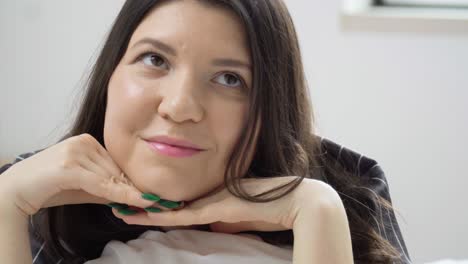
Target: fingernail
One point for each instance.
(150, 197)
(117, 205)
(153, 209)
(168, 204)
(126, 211)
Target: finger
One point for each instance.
(193, 214)
(221, 206)
(109, 163)
(183, 217)
(94, 167)
(141, 217)
(108, 189)
(94, 164)
(100, 156)
(102, 162)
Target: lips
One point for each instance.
(173, 147)
(181, 143)
(173, 151)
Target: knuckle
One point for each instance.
(107, 189)
(68, 149)
(86, 139)
(126, 194)
(68, 162)
(117, 191)
(68, 154)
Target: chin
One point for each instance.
(168, 185)
(168, 193)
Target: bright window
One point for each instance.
(425, 3)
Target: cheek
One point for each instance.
(128, 103)
(127, 111)
(230, 126)
(229, 120)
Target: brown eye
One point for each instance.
(153, 60)
(229, 79)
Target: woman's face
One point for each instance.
(185, 75)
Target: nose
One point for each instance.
(180, 99)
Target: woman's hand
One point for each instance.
(76, 170)
(227, 213)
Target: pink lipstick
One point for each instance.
(173, 147)
(173, 151)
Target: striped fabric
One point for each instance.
(355, 162)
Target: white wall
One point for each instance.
(45, 48)
(395, 91)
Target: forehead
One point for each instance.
(192, 24)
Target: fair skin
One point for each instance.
(188, 97)
(183, 94)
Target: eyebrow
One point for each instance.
(231, 63)
(156, 43)
(170, 50)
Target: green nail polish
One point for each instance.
(168, 204)
(117, 205)
(126, 211)
(153, 209)
(150, 197)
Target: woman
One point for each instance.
(196, 116)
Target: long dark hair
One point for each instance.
(279, 108)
